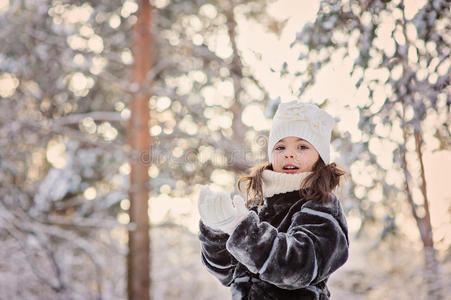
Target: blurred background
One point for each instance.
(113, 113)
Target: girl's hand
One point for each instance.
(218, 211)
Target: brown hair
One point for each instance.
(316, 186)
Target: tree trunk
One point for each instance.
(236, 67)
(425, 226)
(236, 73)
(138, 136)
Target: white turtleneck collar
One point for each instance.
(277, 183)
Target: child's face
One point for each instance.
(293, 155)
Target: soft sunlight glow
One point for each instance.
(107, 131)
(222, 178)
(160, 3)
(223, 121)
(165, 189)
(153, 171)
(4, 5)
(155, 130)
(114, 21)
(178, 210)
(95, 44)
(98, 64)
(88, 125)
(128, 8)
(198, 75)
(79, 59)
(205, 153)
(437, 165)
(359, 191)
(411, 7)
(184, 85)
(362, 174)
(56, 154)
(86, 31)
(8, 85)
(225, 88)
(221, 45)
(77, 14)
(254, 116)
(163, 103)
(383, 149)
(127, 57)
(123, 218)
(90, 193)
(38, 160)
(80, 84)
(393, 177)
(354, 220)
(120, 234)
(198, 39)
(77, 42)
(159, 208)
(125, 204)
(188, 125)
(208, 11)
(119, 106)
(125, 114)
(124, 169)
(192, 23)
(213, 97)
(177, 152)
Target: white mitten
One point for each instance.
(218, 211)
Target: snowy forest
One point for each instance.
(113, 113)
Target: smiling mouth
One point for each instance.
(290, 167)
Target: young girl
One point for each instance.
(294, 234)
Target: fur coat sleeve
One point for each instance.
(214, 254)
(313, 246)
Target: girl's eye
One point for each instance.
(280, 147)
(303, 147)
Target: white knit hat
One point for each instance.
(306, 121)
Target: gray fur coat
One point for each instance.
(285, 249)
